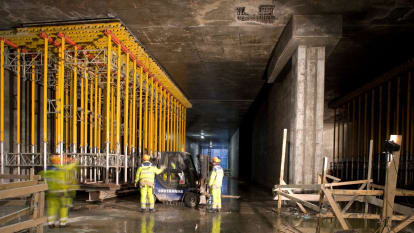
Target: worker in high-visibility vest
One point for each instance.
(145, 178)
(56, 196)
(214, 183)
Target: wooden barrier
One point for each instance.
(34, 190)
(368, 193)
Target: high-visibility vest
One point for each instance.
(146, 173)
(216, 177)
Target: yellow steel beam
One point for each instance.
(118, 101)
(156, 118)
(140, 134)
(163, 118)
(134, 106)
(160, 122)
(108, 89)
(126, 103)
(18, 97)
(86, 110)
(151, 120)
(33, 141)
(95, 117)
(82, 115)
(2, 90)
(100, 116)
(75, 101)
(45, 86)
(91, 108)
(146, 114)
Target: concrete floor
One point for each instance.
(254, 212)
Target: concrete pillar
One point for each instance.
(306, 41)
(234, 154)
(308, 65)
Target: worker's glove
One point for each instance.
(163, 167)
(135, 184)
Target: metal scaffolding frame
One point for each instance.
(94, 80)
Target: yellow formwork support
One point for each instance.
(175, 125)
(155, 129)
(82, 115)
(163, 119)
(61, 95)
(2, 92)
(33, 107)
(118, 101)
(160, 122)
(95, 116)
(86, 110)
(146, 114)
(151, 120)
(91, 108)
(75, 101)
(66, 120)
(126, 104)
(108, 91)
(185, 127)
(169, 126)
(18, 97)
(134, 107)
(99, 117)
(140, 133)
(112, 120)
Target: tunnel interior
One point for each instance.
(216, 78)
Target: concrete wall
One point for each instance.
(289, 103)
(234, 154)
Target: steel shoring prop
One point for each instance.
(126, 115)
(156, 119)
(140, 133)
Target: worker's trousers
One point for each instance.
(147, 193)
(216, 194)
(57, 209)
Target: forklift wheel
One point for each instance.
(191, 199)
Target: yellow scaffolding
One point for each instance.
(85, 51)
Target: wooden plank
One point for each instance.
(16, 192)
(349, 204)
(18, 184)
(321, 193)
(10, 217)
(315, 197)
(41, 210)
(282, 169)
(305, 203)
(398, 192)
(333, 177)
(362, 216)
(35, 207)
(336, 209)
(371, 149)
(23, 225)
(13, 202)
(354, 182)
(390, 186)
(403, 224)
(397, 207)
(15, 177)
(300, 186)
(297, 203)
(357, 192)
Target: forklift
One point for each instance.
(181, 181)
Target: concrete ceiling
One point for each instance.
(218, 61)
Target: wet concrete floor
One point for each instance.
(254, 212)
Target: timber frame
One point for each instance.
(33, 189)
(328, 193)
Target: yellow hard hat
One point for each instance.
(146, 157)
(216, 159)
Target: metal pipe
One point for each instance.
(140, 113)
(33, 107)
(18, 110)
(126, 116)
(118, 112)
(160, 121)
(108, 95)
(163, 119)
(75, 102)
(62, 93)
(151, 118)
(156, 119)
(146, 115)
(185, 127)
(45, 86)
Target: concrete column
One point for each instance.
(308, 65)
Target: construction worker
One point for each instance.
(56, 196)
(214, 183)
(145, 177)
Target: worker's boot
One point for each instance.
(212, 210)
(152, 210)
(142, 210)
